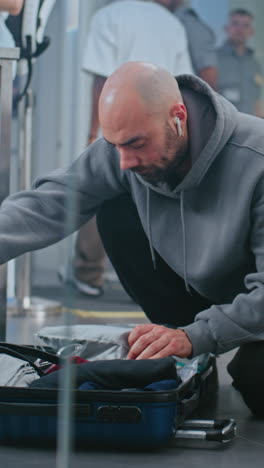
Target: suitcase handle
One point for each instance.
(42, 409)
(188, 405)
(214, 430)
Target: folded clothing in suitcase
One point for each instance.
(107, 416)
(94, 342)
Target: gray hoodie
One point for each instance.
(209, 229)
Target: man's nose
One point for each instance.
(127, 159)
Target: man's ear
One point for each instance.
(177, 118)
(179, 110)
(178, 126)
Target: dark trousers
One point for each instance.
(162, 294)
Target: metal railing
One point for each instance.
(7, 57)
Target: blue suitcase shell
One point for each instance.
(131, 418)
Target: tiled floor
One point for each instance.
(245, 451)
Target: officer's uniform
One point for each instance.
(239, 77)
(200, 37)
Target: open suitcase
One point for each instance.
(109, 417)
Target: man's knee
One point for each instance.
(247, 371)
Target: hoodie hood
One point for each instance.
(211, 121)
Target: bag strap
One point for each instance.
(29, 354)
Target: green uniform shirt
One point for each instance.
(239, 77)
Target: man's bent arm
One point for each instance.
(225, 326)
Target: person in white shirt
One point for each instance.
(124, 31)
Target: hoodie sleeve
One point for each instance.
(59, 203)
(224, 327)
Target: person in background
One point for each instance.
(120, 32)
(240, 78)
(201, 41)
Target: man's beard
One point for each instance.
(174, 159)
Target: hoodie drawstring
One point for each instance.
(184, 243)
(152, 252)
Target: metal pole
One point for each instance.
(24, 301)
(6, 89)
(24, 264)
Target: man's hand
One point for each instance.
(152, 341)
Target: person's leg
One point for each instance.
(247, 370)
(161, 293)
(89, 259)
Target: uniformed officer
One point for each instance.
(201, 42)
(239, 74)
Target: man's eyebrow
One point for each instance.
(127, 142)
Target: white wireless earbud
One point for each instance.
(178, 125)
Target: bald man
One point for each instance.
(121, 32)
(177, 183)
